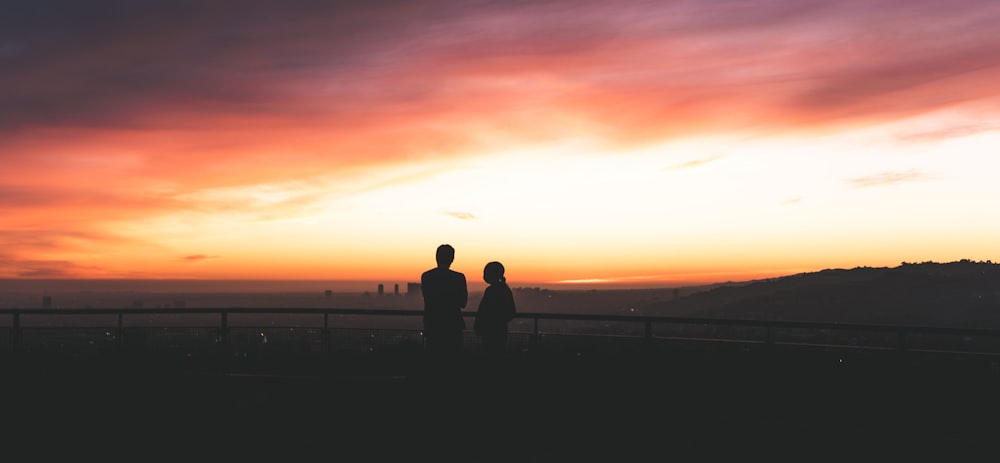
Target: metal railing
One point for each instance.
(259, 332)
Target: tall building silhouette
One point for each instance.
(413, 289)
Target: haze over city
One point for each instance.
(635, 143)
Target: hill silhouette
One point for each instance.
(961, 294)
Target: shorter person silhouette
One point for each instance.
(496, 310)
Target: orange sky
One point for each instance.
(646, 143)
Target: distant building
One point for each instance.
(381, 289)
(395, 289)
(413, 289)
(46, 302)
(328, 293)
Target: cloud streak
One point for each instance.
(461, 215)
(945, 133)
(888, 178)
(11, 265)
(694, 163)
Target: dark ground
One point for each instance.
(704, 406)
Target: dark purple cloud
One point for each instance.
(100, 62)
(126, 64)
(12, 265)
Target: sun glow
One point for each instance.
(577, 213)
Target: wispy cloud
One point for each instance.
(461, 215)
(53, 269)
(13, 266)
(37, 252)
(197, 258)
(956, 131)
(694, 163)
(619, 279)
(888, 178)
(55, 239)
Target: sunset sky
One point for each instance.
(629, 142)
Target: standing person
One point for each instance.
(496, 310)
(445, 295)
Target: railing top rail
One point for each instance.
(765, 323)
(217, 310)
(527, 315)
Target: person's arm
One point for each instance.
(465, 293)
(512, 308)
(477, 324)
(424, 289)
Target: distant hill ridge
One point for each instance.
(963, 294)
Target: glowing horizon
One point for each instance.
(576, 142)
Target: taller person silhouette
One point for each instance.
(445, 294)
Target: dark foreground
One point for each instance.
(734, 406)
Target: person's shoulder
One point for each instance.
(501, 290)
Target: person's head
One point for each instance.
(493, 273)
(445, 255)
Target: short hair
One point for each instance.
(445, 254)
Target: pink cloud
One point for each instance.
(198, 258)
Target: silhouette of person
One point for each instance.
(496, 310)
(445, 294)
